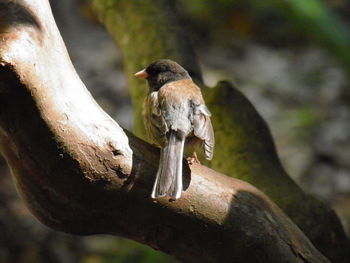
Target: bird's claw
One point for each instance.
(193, 159)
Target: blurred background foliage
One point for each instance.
(291, 58)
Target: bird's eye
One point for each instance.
(152, 71)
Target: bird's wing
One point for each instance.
(203, 129)
(155, 124)
(191, 113)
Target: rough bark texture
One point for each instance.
(79, 172)
(244, 146)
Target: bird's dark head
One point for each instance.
(161, 72)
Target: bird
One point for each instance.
(175, 117)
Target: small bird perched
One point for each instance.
(175, 116)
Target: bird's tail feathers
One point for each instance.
(169, 175)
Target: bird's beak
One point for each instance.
(141, 74)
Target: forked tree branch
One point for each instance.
(81, 173)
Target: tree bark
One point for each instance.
(151, 29)
(80, 172)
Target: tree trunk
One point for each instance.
(80, 172)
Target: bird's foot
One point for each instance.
(193, 159)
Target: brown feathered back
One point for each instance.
(175, 114)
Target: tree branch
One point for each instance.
(244, 145)
(79, 172)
